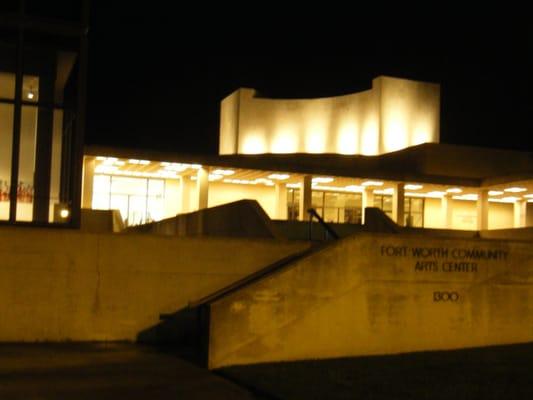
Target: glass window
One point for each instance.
(384, 202)
(352, 211)
(414, 212)
(25, 189)
(6, 139)
(30, 88)
(139, 200)
(101, 192)
(293, 204)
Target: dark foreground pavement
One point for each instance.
(500, 372)
(110, 371)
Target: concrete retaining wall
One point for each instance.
(58, 284)
(379, 294)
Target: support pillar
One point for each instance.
(520, 207)
(398, 207)
(281, 201)
(305, 197)
(483, 210)
(87, 183)
(446, 211)
(368, 201)
(202, 188)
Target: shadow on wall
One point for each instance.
(185, 333)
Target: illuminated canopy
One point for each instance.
(392, 115)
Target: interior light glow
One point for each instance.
(195, 166)
(225, 172)
(133, 161)
(100, 158)
(353, 188)
(510, 199)
(279, 177)
(293, 185)
(435, 194)
(413, 186)
(469, 196)
(495, 192)
(175, 167)
(372, 183)
(322, 179)
(30, 95)
(384, 191)
(105, 169)
(515, 189)
(411, 194)
(64, 213)
(144, 162)
(528, 196)
(454, 190)
(215, 177)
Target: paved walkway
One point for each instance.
(110, 371)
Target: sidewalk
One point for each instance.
(105, 371)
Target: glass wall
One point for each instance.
(139, 200)
(334, 207)
(41, 112)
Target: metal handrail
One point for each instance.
(327, 229)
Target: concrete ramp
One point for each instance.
(377, 293)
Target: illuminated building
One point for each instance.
(376, 148)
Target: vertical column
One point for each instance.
(281, 200)
(483, 209)
(398, 198)
(88, 177)
(185, 194)
(368, 201)
(202, 187)
(520, 207)
(446, 211)
(305, 197)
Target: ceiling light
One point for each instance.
(515, 189)
(30, 95)
(225, 172)
(412, 186)
(469, 196)
(322, 179)
(495, 192)
(353, 188)
(215, 177)
(528, 196)
(372, 183)
(435, 193)
(279, 177)
(454, 190)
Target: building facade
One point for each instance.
(43, 48)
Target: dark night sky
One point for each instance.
(155, 85)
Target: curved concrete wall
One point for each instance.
(394, 114)
(379, 294)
